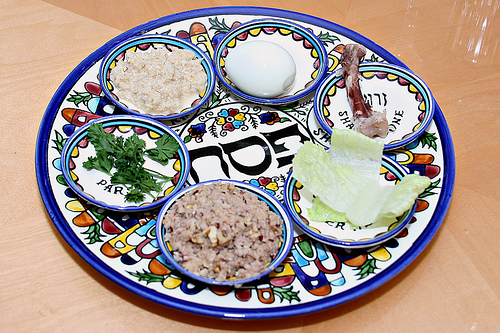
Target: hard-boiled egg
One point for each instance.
(261, 69)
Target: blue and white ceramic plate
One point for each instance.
(270, 200)
(298, 200)
(229, 137)
(405, 98)
(146, 43)
(96, 187)
(305, 48)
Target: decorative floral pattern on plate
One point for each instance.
(257, 149)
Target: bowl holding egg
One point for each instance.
(270, 61)
(158, 76)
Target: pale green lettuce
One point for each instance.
(345, 181)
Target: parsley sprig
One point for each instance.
(123, 159)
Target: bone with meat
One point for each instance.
(367, 121)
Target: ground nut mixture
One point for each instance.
(159, 81)
(219, 231)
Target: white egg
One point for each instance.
(261, 69)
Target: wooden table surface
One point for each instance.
(453, 286)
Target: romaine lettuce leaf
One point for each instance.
(356, 151)
(346, 180)
(322, 212)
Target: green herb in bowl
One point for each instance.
(123, 159)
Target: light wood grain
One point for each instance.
(452, 287)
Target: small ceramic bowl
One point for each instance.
(95, 186)
(405, 97)
(144, 43)
(298, 200)
(271, 201)
(305, 48)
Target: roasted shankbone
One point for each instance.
(367, 121)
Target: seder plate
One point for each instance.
(229, 137)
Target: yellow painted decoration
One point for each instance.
(154, 134)
(74, 153)
(297, 208)
(412, 88)
(326, 112)
(284, 270)
(335, 62)
(368, 74)
(202, 93)
(403, 153)
(203, 39)
(124, 128)
(394, 225)
(315, 230)
(272, 186)
(332, 91)
(177, 165)
(285, 31)
(73, 176)
(422, 107)
(240, 116)
(232, 43)
(168, 190)
(255, 32)
(171, 282)
(381, 254)
(392, 77)
(314, 53)
(75, 206)
(119, 243)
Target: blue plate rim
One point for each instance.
(41, 165)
